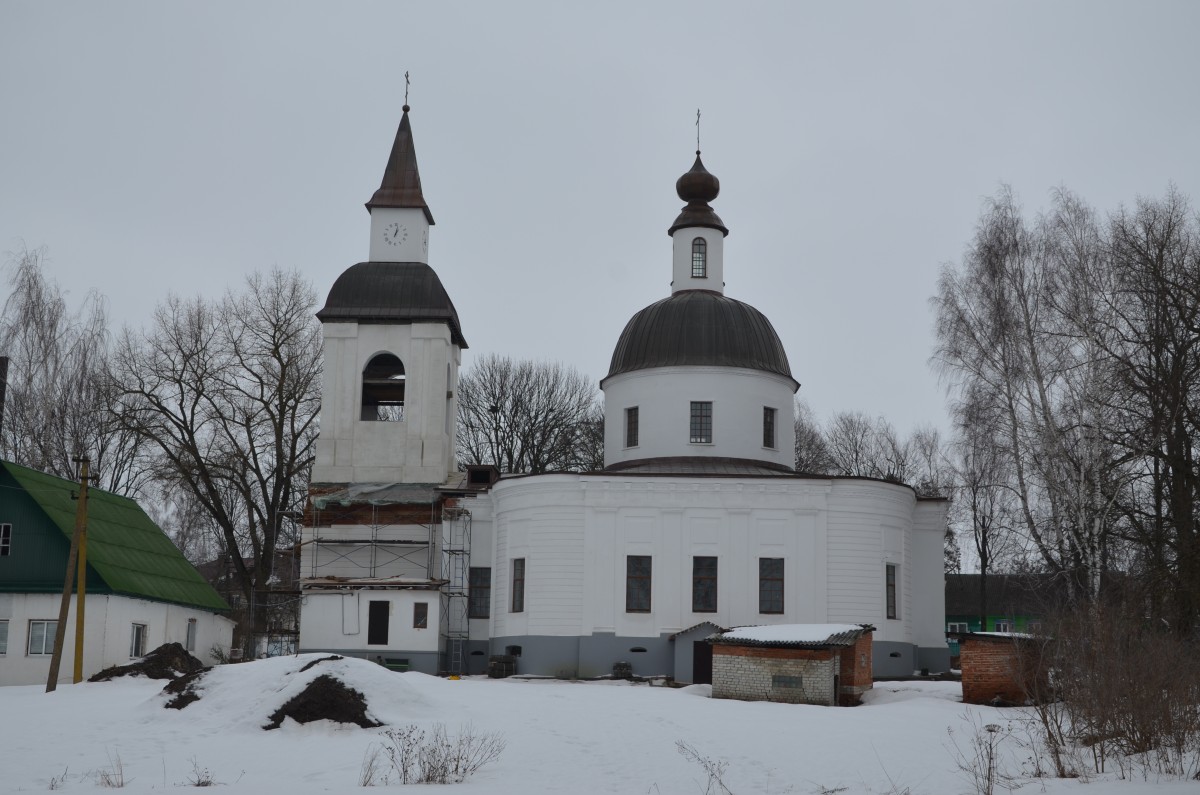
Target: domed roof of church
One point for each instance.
(391, 292)
(699, 328)
(698, 187)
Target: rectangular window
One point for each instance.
(631, 426)
(770, 585)
(637, 584)
(190, 642)
(892, 609)
(518, 585)
(41, 636)
(704, 584)
(3, 636)
(957, 626)
(378, 614)
(5, 540)
(768, 427)
(1003, 625)
(479, 589)
(420, 615)
(137, 641)
(701, 425)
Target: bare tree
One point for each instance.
(812, 454)
(227, 392)
(525, 416)
(59, 393)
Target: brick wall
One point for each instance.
(794, 676)
(1000, 670)
(856, 678)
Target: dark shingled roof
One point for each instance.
(391, 292)
(401, 186)
(699, 328)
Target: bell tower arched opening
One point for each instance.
(383, 389)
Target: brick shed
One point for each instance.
(823, 664)
(1002, 668)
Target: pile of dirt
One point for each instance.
(168, 661)
(325, 698)
(184, 689)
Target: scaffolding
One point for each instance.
(456, 563)
(386, 551)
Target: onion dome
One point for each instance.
(699, 328)
(401, 186)
(391, 292)
(698, 187)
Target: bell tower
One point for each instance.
(393, 346)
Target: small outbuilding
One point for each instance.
(1002, 668)
(824, 664)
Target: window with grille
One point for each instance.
(768, 427)
(699, 258)
(518, 585)
(892, 609)
(701, 422)
(631, 426)
(637, 584)
(770, 585)
(704, 584)
(479, 599)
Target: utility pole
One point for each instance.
(76, 559)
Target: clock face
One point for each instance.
(395, 233)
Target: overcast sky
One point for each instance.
(174, 147)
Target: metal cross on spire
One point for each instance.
(406, 83)
(697, 131)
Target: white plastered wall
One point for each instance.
(419, 449)
(108, 629)
(339, 620)
(681, 260)
(663, 396)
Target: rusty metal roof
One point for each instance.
(391, 292)
(699, 328)
(401, 186)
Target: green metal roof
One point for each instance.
(125, 547)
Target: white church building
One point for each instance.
(697, 522)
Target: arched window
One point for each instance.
(383, 389)
(699, 258)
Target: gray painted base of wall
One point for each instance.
(594, 655)
(425, 662)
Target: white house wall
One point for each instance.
(108, 631)
(663, 396)
(419, 449)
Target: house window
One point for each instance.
(892, 611)
(383, 389)
(958, 626)
(637, 584)
(631, 426)
(704, 584)
(5, 540)
(1003, 625)
(137, 641)
(768, 427)
(479, 590)
(378, 614)
(701, 425)
(41, 636)
(699, 258)
(3, 636)
(518, 585)
(770, 585)
(420, 615)
(190, 641)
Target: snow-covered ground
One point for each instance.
(569, 737)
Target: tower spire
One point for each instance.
(401, 186)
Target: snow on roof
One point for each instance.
(796, 634)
